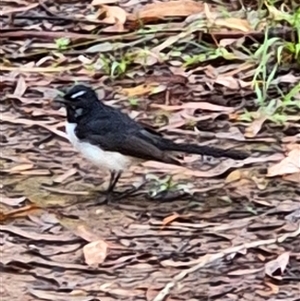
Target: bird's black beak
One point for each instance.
(59, 102)
(60, 99)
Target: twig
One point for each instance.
(45, 34)
(53, 18)
(209, 258)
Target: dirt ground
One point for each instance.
(214, 229)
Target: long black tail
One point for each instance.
(202, 150)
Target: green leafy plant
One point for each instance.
(262, 80)
(290, 98)
(289, 50)
(160, 185)
(133, 101)
(62, 43)
(113, 66)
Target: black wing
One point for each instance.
(125, 136)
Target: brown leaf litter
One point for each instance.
(214, 229)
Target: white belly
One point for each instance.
(105, 160)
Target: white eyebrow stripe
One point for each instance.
(80, 93)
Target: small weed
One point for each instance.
(251, 210)
(269, 56)
(206, 53)
(289, 50)
(262, 80)
(246, 116)
(133, 101)
(194, 59)
(112, 65)
(190, 123)
(165, 184)
(290, 98)
(62, 43)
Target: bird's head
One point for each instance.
(79, 96)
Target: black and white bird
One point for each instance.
(113, 141)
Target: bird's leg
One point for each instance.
(111, 196)
(114, 177)
(109, 193)
(111, 180)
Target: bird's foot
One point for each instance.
(113, 196)
(106, 197)
(129, 192)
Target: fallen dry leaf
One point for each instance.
(64, 191)
(31, 69)
(244, 272)
(95, 252)
(51, 128)
(274, 288)
(201, 68)
(254, 128)
(8, 11)
(289, 165)
(295, 177)
(275, 268)
(34, 237)
(36, 172)
(168, 42)
(20, 212)
(193, 105)
(85, 233)
(169, 219)
(169, 9)
(41, 294)
(234, 23)
(101, 2)
(114, 15)
(21, 87)
(233, 176)
(64, 176)
(12, 201)
(140, 90)
(19, 168)
(228, 81)
(227, 42)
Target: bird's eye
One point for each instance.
(77, 94)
